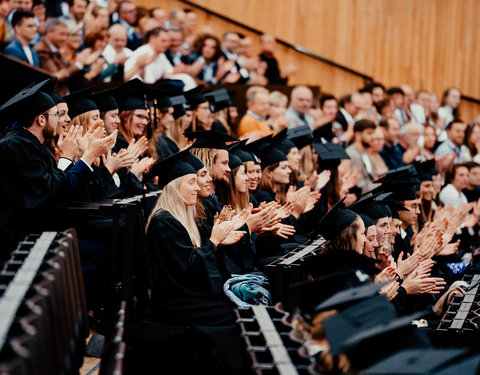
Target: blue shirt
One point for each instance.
(448, 147)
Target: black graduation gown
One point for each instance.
(403, 244)
(120, 143)
(269, 247)
(187, 285)
(165, 147)
(239, 258)
(32, 188)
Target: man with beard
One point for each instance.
(32, 188)
(363, 131)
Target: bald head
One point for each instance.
(302, 98)
(118, 37)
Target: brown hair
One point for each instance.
(91, 38)
(124, 127)
(228, 193)
(266, 183)
(452, 171)
(200, 42)
(346, 239)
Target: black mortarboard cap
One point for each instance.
(403, 172)
(408, 193)
(271, 154)
(56, 97)
(16, 75)
(173, 167)
(28, 103)
(104, 100)
(306, 295)
(364, 321)
(371, 207)
(255, 146)
(335, 221)
(347, 297)
(329, 154)
(301, 136)
(179, 104)
(239, 149)
(367, 221)
(195, 97)
(426, 170)
(324, 131)
(132, 95)
(339, 260)
(234, 161)
(420, 361)
(210, 139)
(218, 99)
(195, 162)
(78, 103)
(283, 143)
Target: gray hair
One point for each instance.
(52, 23)
(405, 129)
(297, 89)
(253, 91)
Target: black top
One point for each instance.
(186, 281)
(273, 71)
(165, 147)
(32, 188)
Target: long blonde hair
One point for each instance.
(172, 201)
(83, 120)
(175, 133)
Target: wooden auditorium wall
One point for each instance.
(430, 44)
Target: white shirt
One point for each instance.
(28, 53)
(451, 196)
(109, 53)
(153, 71)
(446, 113)
(348, 116)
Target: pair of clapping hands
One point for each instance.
(226, 224)
(266, 219)
(302, 200)
(414, 272)
(96, 143)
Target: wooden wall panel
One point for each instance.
(431, 44)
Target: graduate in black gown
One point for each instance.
(186, 276)
(32, 188)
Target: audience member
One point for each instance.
(301, 100)
(116, 52)
(450, 106)
(4, 11)
(362, 140)
(376, 146)
(174, 52)
(25, 28)
(456, 180)
(410, 135)
(159, 15)
(253, 124)
(392, 153)
(277, 118)
(471, 145)
(455, 131)
(274, 74)
(350, 106)
(48, 50)
(127, 17)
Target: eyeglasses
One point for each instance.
(56, 114)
